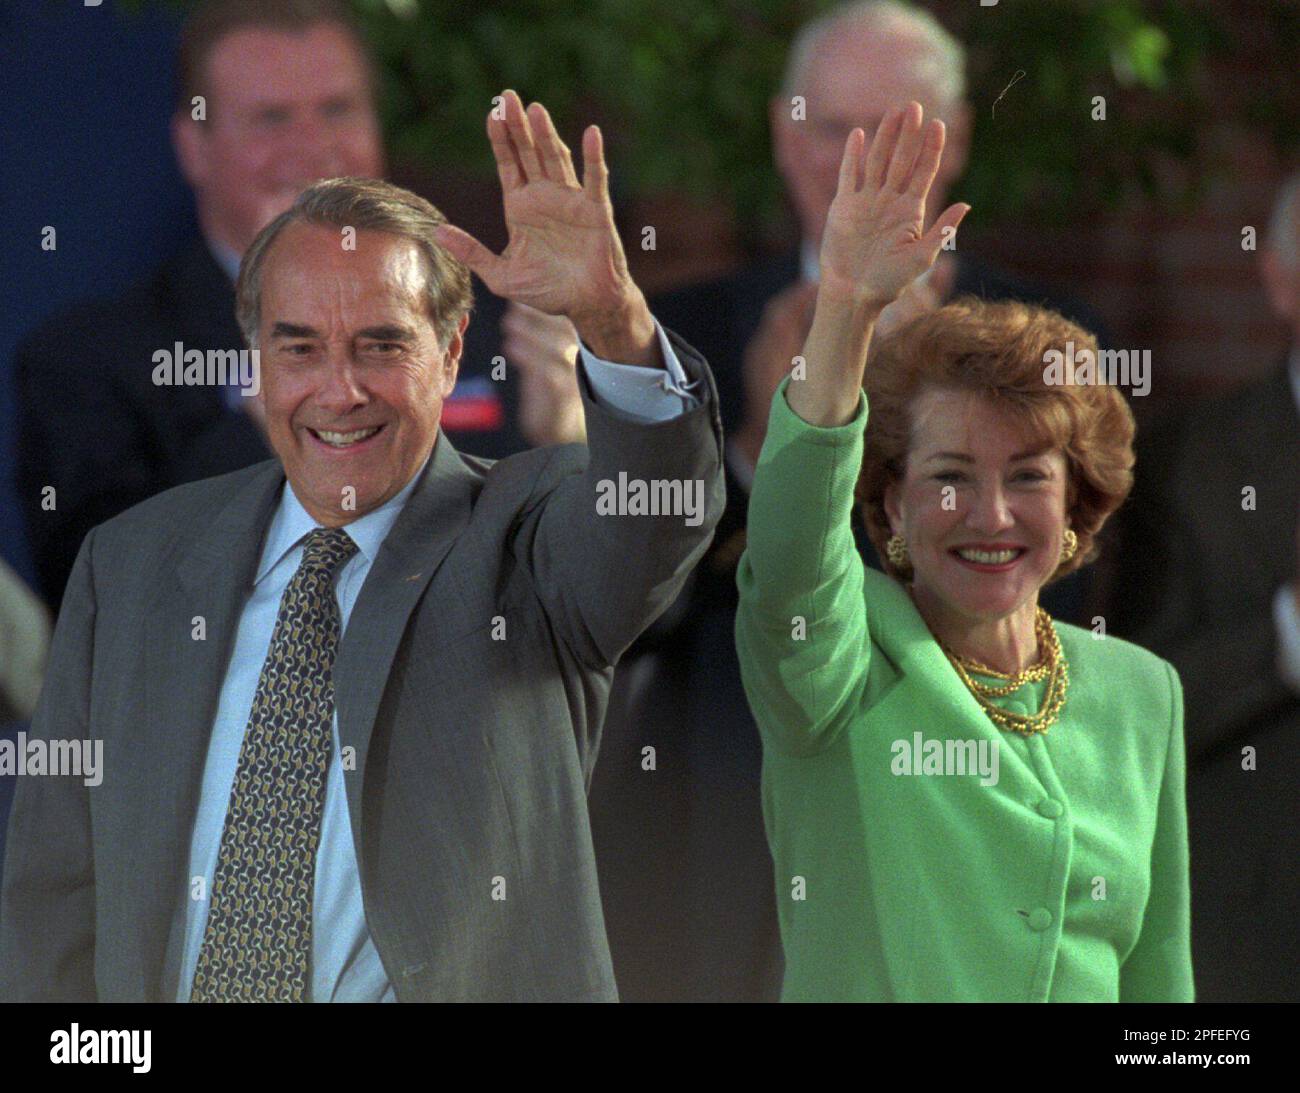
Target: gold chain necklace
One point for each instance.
(1052, 666)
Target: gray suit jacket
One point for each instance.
(473, 755)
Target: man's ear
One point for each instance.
(1280, 283)
(956, 145)
(451, 355)
(190, 143)
(778, 117)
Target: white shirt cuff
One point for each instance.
(1287, 620)
(644, 394)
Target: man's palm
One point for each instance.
(558, 242)
(564, 256)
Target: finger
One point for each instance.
(527, 323)
(595, 175)
(509, 169)
(539, 338)
(539, 356)
(849, 162)
(464, 247)
(952, 216)
(523, 316)
(882, 147)
(521, 134)
(549, 332)
(927, 161)
(556, 161)
(909, 141)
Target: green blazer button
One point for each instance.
(1040, 918)
(1049, 808)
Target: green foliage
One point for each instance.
(682, 87)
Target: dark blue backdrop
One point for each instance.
(83, 128)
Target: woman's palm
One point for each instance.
(875, 244)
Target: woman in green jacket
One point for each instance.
(965, 800)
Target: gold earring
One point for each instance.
(1069, 544)
(896, 551)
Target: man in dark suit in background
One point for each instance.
(367, 780)
(1208, 573)
(271, 95)
(693, 915)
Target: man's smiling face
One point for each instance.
(353, 374)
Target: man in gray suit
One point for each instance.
(347, 727)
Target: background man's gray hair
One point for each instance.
(944, 66)
(365, 204)
(1284, 226)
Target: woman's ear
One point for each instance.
(892, 510)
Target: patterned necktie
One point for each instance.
(258, 937)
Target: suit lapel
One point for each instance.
(434, 515)
(183, 675)
(929, 681)
(183, 678)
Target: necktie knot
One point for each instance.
(326, 549)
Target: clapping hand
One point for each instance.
(544, 351)
(564, 256)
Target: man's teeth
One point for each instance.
(342, 440)
(989, 557)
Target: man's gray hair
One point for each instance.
(363, 204)
(943, 68)
(1284, 226)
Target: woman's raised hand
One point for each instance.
(874, 244)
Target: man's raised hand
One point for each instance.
(564, 256)
(874, 244)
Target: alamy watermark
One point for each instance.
(59, 758)
(1111, 367)
(656, 497)
(131, 1047)
(919, 756)
(181, 367)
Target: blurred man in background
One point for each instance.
(271, 96)
(1209, 577)
(691, 909)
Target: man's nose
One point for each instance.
(314, 150)
(340, 390)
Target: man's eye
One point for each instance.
(386, 347)
(339, 108)
(299, 349)
(948, 476)
(272, 117)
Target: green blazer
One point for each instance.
(905, 870)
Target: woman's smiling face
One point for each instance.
(981, 505)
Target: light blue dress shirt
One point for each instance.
(345, 965)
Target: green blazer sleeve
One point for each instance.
(801, 627)
(1159, 969)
